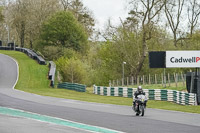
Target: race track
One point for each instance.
(119, 118)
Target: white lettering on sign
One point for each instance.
(182, 59)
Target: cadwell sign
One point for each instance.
(177, 59)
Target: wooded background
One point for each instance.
(63, 31)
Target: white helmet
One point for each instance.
(139, 89)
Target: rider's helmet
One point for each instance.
(139, 89)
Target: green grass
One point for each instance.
(33, 79)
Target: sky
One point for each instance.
(105, 9)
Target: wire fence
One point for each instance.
(166, 80)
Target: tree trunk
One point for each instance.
(175, 39)
(31, 44)
(72, 77)
(142, 59)
(22, 35)
(30, 40)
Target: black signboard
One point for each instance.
(157, 59)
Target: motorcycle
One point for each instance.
(140, 105)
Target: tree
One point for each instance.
(62, 29)
(1, 14)
(3, 31)
(148, 14)
(125, 45)
(193, 10)
(25, 17)
(81, 13)
(194, 42)
(173, 10)
(65, 4)
(18, 18)
(39, 11)
(2, 26)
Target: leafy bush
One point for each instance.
(73, 70)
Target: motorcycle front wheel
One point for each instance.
(142, 110)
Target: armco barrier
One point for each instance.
(72, 86)
(52, 72)
(29, 52)
(41, 61)
(152, 94)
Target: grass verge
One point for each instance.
(33, 79)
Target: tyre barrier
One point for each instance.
(72, 86)
(178, 97)
(52, 72)
(29, 52)
(5, 48)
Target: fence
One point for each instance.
(152, 94)
(166, 80)
(72, 86)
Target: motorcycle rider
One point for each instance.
(138, 92)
